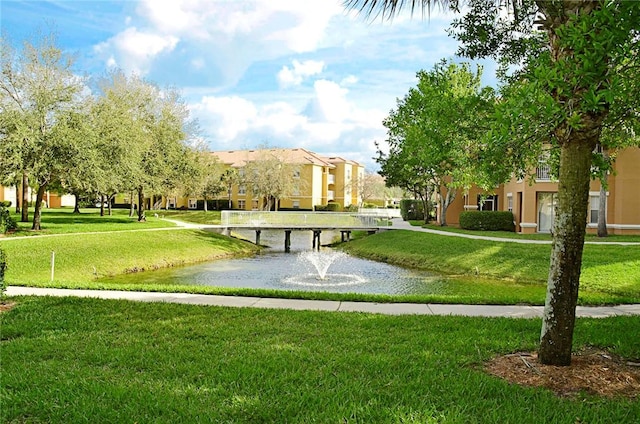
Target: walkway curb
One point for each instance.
(510, 311)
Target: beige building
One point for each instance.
(319, 180)
(533, 204)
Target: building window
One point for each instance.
(296, 173)
(546, 211)
(254, 205)
(242, 204)
(171, 203)
(594, 208)
(242, 190)
(510, 203)
(296, 204)
(488, 203)
(193, 203)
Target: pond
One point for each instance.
(300, 270)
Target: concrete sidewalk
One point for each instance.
(511, 311)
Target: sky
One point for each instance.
(278, 73)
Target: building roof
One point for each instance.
(239, 158)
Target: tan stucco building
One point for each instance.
(533, 204)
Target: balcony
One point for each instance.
(543, 172)
(330, 195)
(331, 179)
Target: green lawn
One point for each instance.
(480, 271)
(609, 269)
(63, 221)
(537, 236)
(68, 360)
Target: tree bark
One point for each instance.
(18, 196)
(37, 213)
(102, 205)
(25, 198)
(131, 208)
(558, 320)
(76, 205)
(141, 215)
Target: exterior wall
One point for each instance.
(467, 202)
(623, 199)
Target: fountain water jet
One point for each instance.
(321, 261)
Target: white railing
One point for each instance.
(381, 212)
(266, 219)
(543, 173)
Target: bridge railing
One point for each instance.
(302, 219)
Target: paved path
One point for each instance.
(399, 224)
(511, 311)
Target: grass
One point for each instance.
(537, 236)
(81, 258)
(64, 221)
(483, 271)
(196, 217)
(606, 269)
(68, 359)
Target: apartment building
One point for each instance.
(533, 203)
(318, 180)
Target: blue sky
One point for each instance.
(283, 73)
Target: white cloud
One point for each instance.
(299, 71)
(135, 50)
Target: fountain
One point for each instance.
(320, 262)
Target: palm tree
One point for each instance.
(582, 44)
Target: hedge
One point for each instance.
(411, 210)
(7, 223)
(329, 207)
(487, 220)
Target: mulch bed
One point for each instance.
(592, 371)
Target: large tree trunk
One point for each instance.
(25, 198)
(558, 321)
(18, 196)
(37, 213)
(131, 207)
(76, 204)
(102, 205)
(445, 201)
(141, 215)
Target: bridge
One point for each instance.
(345, 222)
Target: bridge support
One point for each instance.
(258, 232)
(287, 241)
(316, 239)
(345, 235)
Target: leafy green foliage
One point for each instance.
(487, 220)
(411, 209)
(7, 223)
(434, 134)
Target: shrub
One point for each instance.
(333, 207)
(487, 220)
(7, 223)
(411, 210)
(351, 208)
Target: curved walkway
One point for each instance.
(510, 311)
(404, 225)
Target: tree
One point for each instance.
(270, 177)
(436, 130)
(370, 186)
(38, 93)
(579, 59)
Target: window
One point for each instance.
(594, 208)
(193, 203)
(296, 173)
(254, 205)
(242, 190)
(296, 204)
(510, 203)
(488, 203)
(171, 202)
(242, 204)
(546, 211)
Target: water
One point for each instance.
(302, 270)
